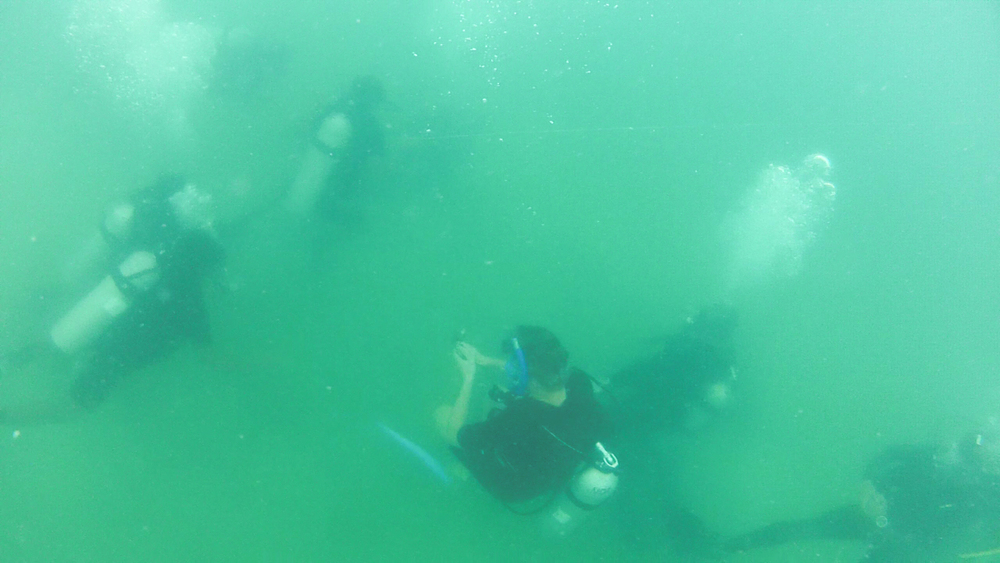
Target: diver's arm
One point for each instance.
(490, 362)
(465, 356)
(845, 523)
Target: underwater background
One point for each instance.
(598, 168)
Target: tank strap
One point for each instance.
(563, 442)
(123, 284)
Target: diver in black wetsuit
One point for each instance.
(159, 247)
(335, 166)
(685, 384)
(549, 426)
(918, 503)
(677, 390)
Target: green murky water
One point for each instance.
(572, 164)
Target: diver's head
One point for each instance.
(536, 357)
(981, 448)
(152, 211)
(367, 92)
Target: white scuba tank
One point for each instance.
(593, 485)
(90, 259)
(318, 162)
(95, 312)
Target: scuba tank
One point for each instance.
(94, 313)
(591, 486)
(318, 163)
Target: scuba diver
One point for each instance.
(158, 249)
(542, 447)
(344, 140)
(688, 382)
(917, 503)
(676, 391)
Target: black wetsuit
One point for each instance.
(664, 391)
(530, 448)
(658, 397)
(935, 510)
(159, 320)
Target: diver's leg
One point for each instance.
(843, 523)
(26, 397)
(93, 382)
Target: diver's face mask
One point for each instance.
(516, 369)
